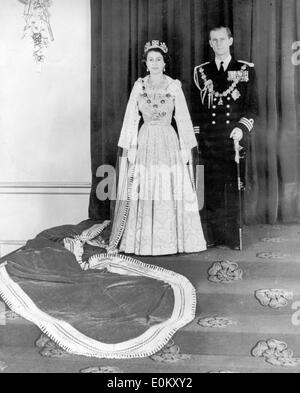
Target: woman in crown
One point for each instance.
(156, 211)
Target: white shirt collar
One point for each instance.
(225, 62)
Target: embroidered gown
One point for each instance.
(157, 209)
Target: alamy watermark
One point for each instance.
(151, 183)
(296, 315)
(2, 314)
(296, 53)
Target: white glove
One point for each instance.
(185, 155)
(132, 155)
(237, 134)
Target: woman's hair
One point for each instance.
(165, 56)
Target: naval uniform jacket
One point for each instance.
(223, 101)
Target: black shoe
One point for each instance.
(223, 247)
(210, 244)
(226, 247)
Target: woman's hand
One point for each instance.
(185, 155)
(132, 155)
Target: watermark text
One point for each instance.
(296, 315)
(151, 183)
(296, 53)
(2, 314)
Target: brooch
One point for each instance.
(235, 94)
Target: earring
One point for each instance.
(148, 69)
(164, 68)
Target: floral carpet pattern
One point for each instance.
(215, 322)
(274, 298)
(281, 247)
(247, 318)
(275, 353)
(169, 354)
(49, 348)
(225, 272)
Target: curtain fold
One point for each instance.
(264, 31)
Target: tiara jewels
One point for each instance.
(156, 44)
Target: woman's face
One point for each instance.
(155, 63)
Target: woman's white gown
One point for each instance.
(157, 209)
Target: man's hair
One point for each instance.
(229, 32)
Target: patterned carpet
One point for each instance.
(248, 316)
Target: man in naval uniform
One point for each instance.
(224, 112)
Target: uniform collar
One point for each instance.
(225, 62)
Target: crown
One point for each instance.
(156, 44)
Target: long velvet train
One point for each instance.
(93, 303)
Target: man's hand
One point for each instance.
(237, 134)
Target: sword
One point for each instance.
(237, 149)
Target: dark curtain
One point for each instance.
(264, 32)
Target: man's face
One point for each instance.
(220, 42)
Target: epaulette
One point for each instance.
(201, 65)
(246, 62)
(196, 78)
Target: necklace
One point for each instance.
(153, 100)
(156, 85)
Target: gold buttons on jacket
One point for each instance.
(227, 122)
(213, 122)
(214, 115)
